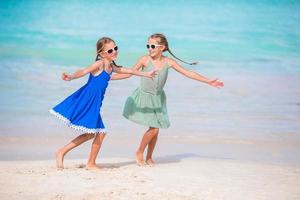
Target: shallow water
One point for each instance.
(253, 47)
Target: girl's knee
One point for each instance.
(100, 136)
(89, 135)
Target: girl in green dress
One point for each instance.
(147, 104)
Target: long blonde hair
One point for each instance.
(162, 40)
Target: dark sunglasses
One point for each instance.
(112, 50)
(153, 46)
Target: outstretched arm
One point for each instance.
(81, 72)
(119, 76)
(150, 74)
(194, 75)
(126, 74)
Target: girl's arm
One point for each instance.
(194, 75)
(126, 72)
(119, 76)
(82, 72)
(150, 74)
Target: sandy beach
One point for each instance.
(172, 178)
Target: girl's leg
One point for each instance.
(150, 133)
(151, 147)
(94, 151)
(60, 154)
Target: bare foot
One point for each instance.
(93, 167)
(150, 162)
(139, 159)
(59, 160)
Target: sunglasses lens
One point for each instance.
(152, 46)
(148, 46)
(110, 51)
(116, 48)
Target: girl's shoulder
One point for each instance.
(144, 58)
(169, 61)
(100, 64)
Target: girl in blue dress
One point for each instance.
(81, 110)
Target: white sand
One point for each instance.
(190, 178)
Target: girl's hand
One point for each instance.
(151, 74)
(216, 83)
(66, 77)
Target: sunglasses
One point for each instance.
(153, 46)
(112, 50)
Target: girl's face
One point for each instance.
(154, 48)
(110, 51)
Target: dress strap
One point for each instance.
(112, 68)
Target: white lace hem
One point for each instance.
(76, 127)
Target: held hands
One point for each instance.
(66, 77)
(216, 83)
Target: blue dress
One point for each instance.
(81, 110)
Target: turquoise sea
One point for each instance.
(253, 46)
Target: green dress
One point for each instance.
(147, 104)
